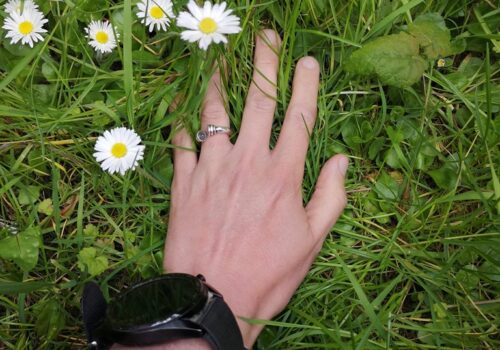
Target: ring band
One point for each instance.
(203, 135)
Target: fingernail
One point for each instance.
(342, 165)
(309, 63)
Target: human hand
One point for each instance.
(237, 214)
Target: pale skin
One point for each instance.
(237, 215)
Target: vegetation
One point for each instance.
(412, 264)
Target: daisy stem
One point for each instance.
(128, 72)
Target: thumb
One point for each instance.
(329, 198)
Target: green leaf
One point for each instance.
(394, 59)
(387, 187)
(440, 310)
(432, 35)
(49, 71)
(22, 248)
(401, 59)
(468, 276)
(90, 230)
(51, 319)
(490, 271)
(145, 57)
(28, 195)
(90, 262)
(45, 207)
(445, 177)
(21, 64)
(392, 158)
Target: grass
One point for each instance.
(412, 264)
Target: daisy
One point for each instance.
(16, 6)
(118, 149)
(208, 23)
(25, 27)
(101, 35)
(155, 13)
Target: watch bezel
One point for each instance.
(174, 326)
(199, 300)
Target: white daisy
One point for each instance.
(101, 35)
(119, 150)
(155, 13)
(208, 23)
(25, 27)
(16, 6)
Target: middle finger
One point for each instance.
(261, 100)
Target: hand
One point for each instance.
(237, 214)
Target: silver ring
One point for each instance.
(203, 135)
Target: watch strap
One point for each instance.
(93, 307)
(219, 323)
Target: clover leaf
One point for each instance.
(90, 262)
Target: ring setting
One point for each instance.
(203, 135)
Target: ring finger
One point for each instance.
(214, 112)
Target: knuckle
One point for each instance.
(182, 139)
(212, 112)
(262, 103)
(302, 112)
(261, 63)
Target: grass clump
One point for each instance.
(413, 262)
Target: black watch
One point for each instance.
(171, 307)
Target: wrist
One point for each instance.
(181, 344)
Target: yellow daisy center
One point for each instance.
(25, 27)
(207, 26)
(101, 37)
(119, 150)
(156, 12)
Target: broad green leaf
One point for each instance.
(401, 59)
(392, 158)
(394, 59)
(90, 262)
(145, 57)
(28, 195)
(22, 248)
(48, 71)
(445, 177)
(50, 320)
(432, 35)
(375, 147)
(387, 187)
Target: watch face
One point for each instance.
(169, 296)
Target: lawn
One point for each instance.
(414, 261)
